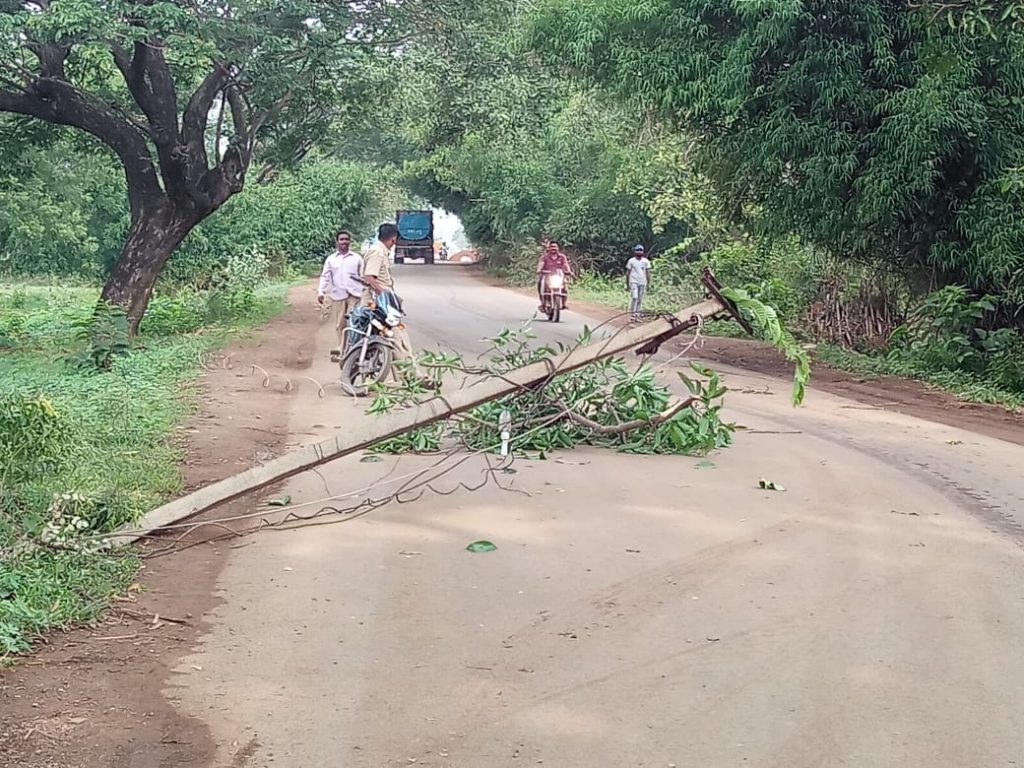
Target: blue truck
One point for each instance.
(415, 236)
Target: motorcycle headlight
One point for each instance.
(394, 318)
(556, 281)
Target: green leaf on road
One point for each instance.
(481, 546)
(705, 464)
(370, 459)
(768, 485)
(280, 502)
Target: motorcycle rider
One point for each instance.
(377, 277)
(551, 260)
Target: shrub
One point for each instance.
(1005, 351)
(169, 315)
(12, 328)
(34, 438)
(940, 333)
(106, 334)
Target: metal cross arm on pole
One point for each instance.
(714, 291)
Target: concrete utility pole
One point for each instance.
(646, 339)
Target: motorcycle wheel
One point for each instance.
(556, 312)
(357, 377)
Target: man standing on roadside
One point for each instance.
(377, 276)
(340, 281)
(638, 275)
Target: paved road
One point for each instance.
(639, 611)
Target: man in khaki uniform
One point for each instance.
(377, 275)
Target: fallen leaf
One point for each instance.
(481, 546)
(370, 459)
(280, 502)
(768, 485)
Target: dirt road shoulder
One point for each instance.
(93, 696)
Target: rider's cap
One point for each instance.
(638, 249)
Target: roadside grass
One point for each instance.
(964, 385)
(82, 450)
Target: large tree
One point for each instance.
(187, 94)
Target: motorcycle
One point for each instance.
(553, 295)
(369, 344)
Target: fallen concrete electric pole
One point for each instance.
(646, 339)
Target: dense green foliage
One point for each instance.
(856, 125)
(57, 223)
(63, 208)
(485, 130)
(292, 220)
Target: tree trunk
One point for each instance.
(152, 238)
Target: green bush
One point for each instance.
(35, 438)
(106, 336)
(940, 334)
(56, 222)
(185, 312)
(12, 328)
(293, 219)
(1004, 350)
(945, 342)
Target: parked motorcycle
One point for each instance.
(369, 344)
(553, 295)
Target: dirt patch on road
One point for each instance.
(94, 696)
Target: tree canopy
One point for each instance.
(481, 126)
(881, 131)
(863, 126)
(187, 95)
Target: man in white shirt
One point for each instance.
(340, 282)
(638, 275)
